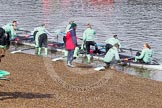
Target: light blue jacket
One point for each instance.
(67, 28)
(113, 41)
(146, 55)
(40, 30)
(89, 34)
(111, 54)
(10, 29)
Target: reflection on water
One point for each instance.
(135, 21)
(145, 73)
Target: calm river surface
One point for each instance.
(134, 21)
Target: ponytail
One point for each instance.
(147, 45)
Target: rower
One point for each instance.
(145, 55)
(2, 37)
(88, 40)
(111, 42)
(112, 56)
(10, 32)
(3, 43)
(41, 39)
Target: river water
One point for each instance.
(134, 21)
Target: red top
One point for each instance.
(70, 44)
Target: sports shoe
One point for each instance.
(70, 65)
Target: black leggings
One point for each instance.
(64, 40)
(3, 38)
(43, 40)
(2, 32)
(107, 47)
(88, 44)
(8, 40)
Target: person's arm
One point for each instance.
(117, 55)
(48, 33)
(107, 41)
(152, 53)
(13, 33)
(84, 40)
(84, 36)
(141, 56)
(119, 43)
(22, 29)
(94, 32)
(36, 40)
(67, 28)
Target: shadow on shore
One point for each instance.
(15, 95)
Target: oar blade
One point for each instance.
(3, 74)
(18, 51)
(57, 59)
(101, 68)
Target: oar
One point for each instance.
(24, 37)
(127, 59)
(13, 52)
(23, 30)
(3, 74)
(130, 49)
(79, 38)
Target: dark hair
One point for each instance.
(43, 24)
(116, 45)
(115, 36)
(14, 21)
(147, 45)
(89, 25)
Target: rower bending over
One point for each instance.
(7, 33)
(112, 56)
(10, 32)
(111, 42)
(41, 39)
(88, 40)
(145, 55)
(3, 43)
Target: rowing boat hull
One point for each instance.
(134, 64)
(157, 67)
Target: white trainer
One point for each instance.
(70, 65)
